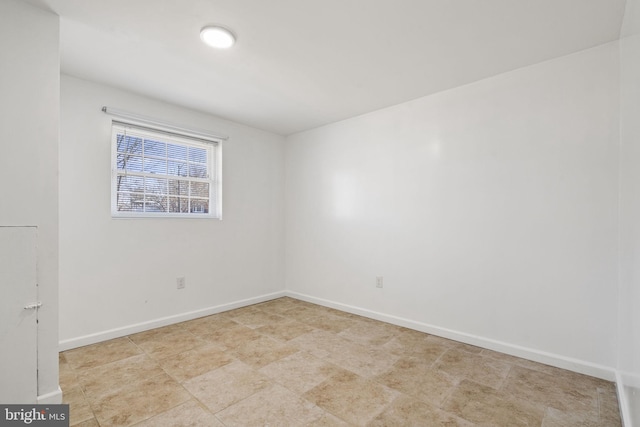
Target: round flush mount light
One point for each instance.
(218, 37)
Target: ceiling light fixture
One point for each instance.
(217, 37)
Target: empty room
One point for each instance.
(321, 213)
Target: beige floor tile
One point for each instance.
(278, 306)
(329, 322)
(579, 380)
(262, 351)
(138, 401)
(328, 420)
(172, 341)
(576, 380)
(320, 343)
(205, 325)
(92, 422)
(486, 406)
(556, 418)
(256, 319)
(606, 386)
(195, 362)
(351, 397)
(301, 312)
(608, 408)
(242, 311)
(567, 393)
(405, 341)
(107, 378)
(68, 378)
(157, 333)
(416, 379)
(428, 351)
(363, 360)
(336, 369)
(232, 337)
(285, 331)
(300, 372)
(407, 411)
(227, 385)
(410, 335)
(273, 406)
(302, 303)
(370, 333)
(397, 347)
(79, 409)
(451, 343)
(344, 314)
(188, 414)
(513, 360)
(483, 370)
(101, 353)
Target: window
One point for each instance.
(162, 174)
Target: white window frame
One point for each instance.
(214, 163)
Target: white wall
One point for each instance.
(629, 316)
(490, 210)
(29, 111)
(119, 275)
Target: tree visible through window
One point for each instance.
(161, 174)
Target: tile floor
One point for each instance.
(290, 363)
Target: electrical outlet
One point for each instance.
(379, 282)
(180, 282)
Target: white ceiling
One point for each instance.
(299, 64)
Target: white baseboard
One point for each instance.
(622, 401)
(556, 360)
(629, 379)
(628, 386)
(164, 321)
(52, 398)
(622, 379)
(559, 361)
